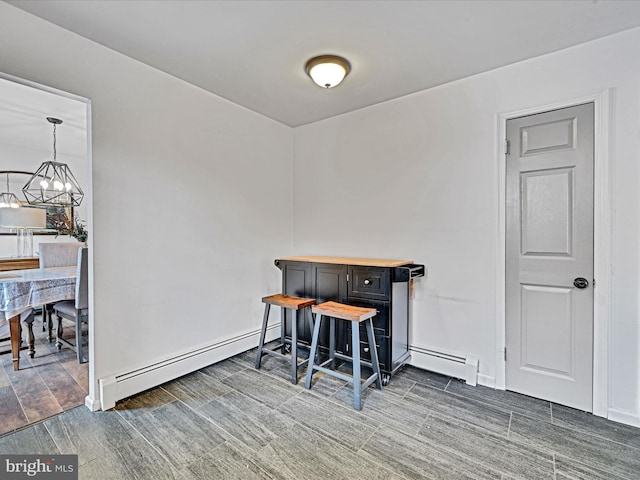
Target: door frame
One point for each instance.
(91, 401)
(601, 236)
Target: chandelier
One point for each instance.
(53, 183)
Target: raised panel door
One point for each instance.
(549, 244)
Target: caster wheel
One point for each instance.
(385, 379)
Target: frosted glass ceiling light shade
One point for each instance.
(327, 71)
(53, 183)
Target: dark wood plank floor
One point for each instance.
(50, 383)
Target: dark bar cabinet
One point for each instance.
(375, 283)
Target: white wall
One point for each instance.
(192, 198)
(417, 178)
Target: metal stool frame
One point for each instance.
(295, 304)
(355, 315)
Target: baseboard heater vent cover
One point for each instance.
(454, 365)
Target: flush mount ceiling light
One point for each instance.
(53, 183)
(327, 71)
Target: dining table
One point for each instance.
(22, 290)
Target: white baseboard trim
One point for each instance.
(486, 381)
(91, 403)
(454, 365)
(622, 416)
(126, 384)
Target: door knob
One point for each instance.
(581, 282)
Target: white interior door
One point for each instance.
(549, 256)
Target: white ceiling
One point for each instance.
(26, 137)
(253, 52)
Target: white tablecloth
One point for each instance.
(21, 290)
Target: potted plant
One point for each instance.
(61, 223)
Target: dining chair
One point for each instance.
(56, 254)
(76, 310)
(59, 254)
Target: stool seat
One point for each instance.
(355, 315)
(344, 312)
(295, 304)
(288, 301)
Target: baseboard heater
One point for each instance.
(124, 385)
(453, 365)
(118, 387)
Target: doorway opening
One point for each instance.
(53, 381)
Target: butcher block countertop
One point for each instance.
(364, 262)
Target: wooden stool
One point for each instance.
(292, 303)
(355, 315)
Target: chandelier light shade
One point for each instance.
(23, 217)
(327, 71)
(53, 183)
(23, 220)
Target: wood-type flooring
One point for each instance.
(231, 421)
(50, 383)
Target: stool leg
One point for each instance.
(294, 347)
(265, 319)
(332, 342)
(374, 353)
(283, 327)
(313, 351)
(310, 320)
(355, 346)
